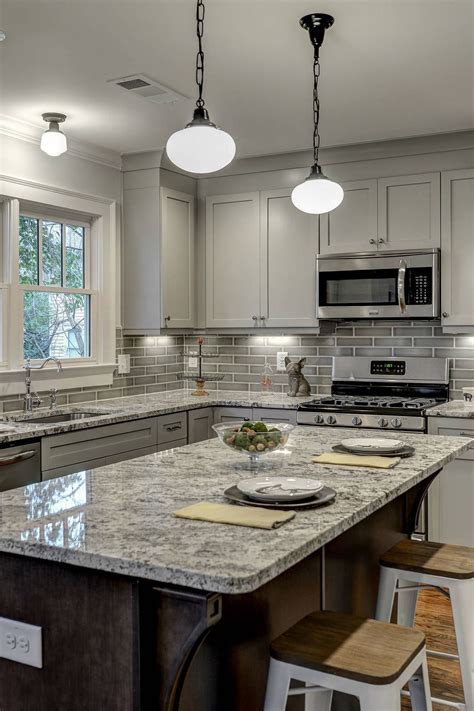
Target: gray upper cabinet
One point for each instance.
(232, 261)
(178, 261)
(260, 262)
(409, 211)
(351, 227)
(401, 212)
(457, 250)
(289, 244)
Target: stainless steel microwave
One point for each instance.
(381, 285)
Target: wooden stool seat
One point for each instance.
(352, 647)
(432, 558)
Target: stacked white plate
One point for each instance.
(279, 488)
(375, 445)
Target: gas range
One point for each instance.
(392, 393)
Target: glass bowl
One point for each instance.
(251, 439)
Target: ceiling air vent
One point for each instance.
(147, 88)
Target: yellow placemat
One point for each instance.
(255, 517)
(356, 460)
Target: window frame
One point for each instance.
(104, 216)
(87, 290)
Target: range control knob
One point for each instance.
(383, 422)
(396, 422)
(319, 419)
(331, 420)
(356, 420)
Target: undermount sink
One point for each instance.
(61, 417)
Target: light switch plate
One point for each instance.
(281, 355)
(21, 642)
(123, 362)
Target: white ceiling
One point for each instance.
(390, 68)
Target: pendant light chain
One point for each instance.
(200, 11)
(316, 136)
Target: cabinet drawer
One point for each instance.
(123, 456)
(172, 427)
(228, 414)
(73, 468)
(271, 414)
(97, 443)
(199, 424)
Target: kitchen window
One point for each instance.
(54, 281)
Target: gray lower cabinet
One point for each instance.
(96, 446)
(270, 414)
(451, 496)
(172, 427)
(200, 423)
(172, 445)
(227, 414)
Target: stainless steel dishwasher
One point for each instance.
(20, 464)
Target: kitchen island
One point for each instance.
(142, 610)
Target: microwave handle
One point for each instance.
(402, 270)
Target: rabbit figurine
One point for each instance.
(299, 386)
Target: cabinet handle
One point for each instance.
(445, 314)
(372, 241)
(467, 434)
(167, 318)
(12, 459)
(380, 241)
(172, 428)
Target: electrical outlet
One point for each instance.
(281, 355)
(123, 362)
(21, 642)
(192, 362)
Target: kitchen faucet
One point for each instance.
(31, 399)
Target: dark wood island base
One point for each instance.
(113, 643)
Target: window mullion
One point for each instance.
(40, 251)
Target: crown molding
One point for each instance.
(8, 179)
(31, 133)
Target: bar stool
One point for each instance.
(330, 652)
(411, 566)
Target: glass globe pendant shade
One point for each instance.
(317, 194)
(53, 141)
(200, 147)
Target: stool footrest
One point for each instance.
(441, 655)
(436, 700)
(306, 690)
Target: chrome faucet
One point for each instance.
(32, 400)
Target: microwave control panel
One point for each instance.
(419, 285)
(387, 367)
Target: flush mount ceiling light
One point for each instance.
(53, 141)
(200, 147)
(317, 194)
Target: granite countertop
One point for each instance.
(136, 407)
(453, 408)
(119, 518)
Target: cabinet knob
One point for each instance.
(255, 318)
(262, 318)
(167, 318)
(445, 314)
(372, 241)
(380, 241)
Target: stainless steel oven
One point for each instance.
(381, 285)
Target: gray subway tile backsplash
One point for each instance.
(156, 360)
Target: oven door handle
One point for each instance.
(402, 270)
(14, 458)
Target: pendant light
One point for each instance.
(53, 141)
(317, 194)
(200, 147)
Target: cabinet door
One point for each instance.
(457, 248)
(199, 424)
(456, 503)
(409, 211)
(289, 244)
(177, 255)
(232, 260)
(351, 227)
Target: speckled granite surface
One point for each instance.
(138, 406)
(119, 518)
(453, 408)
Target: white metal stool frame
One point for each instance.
(406, 584)
(373, 697)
